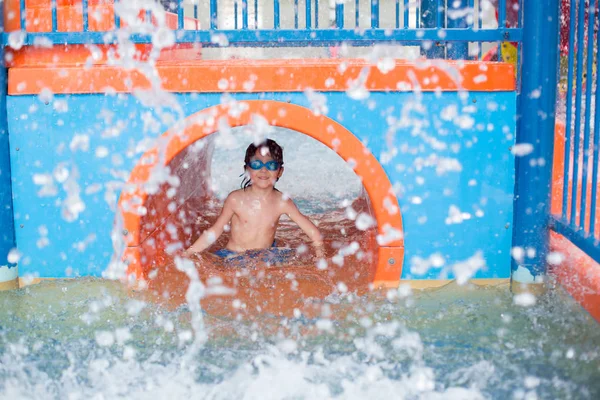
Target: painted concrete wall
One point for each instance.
(453, 171)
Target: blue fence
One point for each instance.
(277, 23)
(577, 219)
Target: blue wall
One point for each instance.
(7, 232)
(476, 129)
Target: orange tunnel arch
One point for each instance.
(386, 210)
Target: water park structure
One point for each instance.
(107, 138)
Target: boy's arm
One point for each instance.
(210, 235)
(306, 225)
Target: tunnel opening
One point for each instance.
(362, 224)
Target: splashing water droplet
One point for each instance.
(16, 39)
(14, 256)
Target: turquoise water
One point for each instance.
(92, 338)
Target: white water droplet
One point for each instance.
(522, 149)
(105, 338)
(14, 256)
(16, 39)
(163, 37)
(364, 221)
(524, 299)
(555, 258)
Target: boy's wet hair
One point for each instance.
(275, 151)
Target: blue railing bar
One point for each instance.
(568, 128)
(339, 15)
(255, 14)
(244, 14)
(23, 13)
(578, 93)
(214, 14)
(397, 14)
(85, 12)
(472, 12)
(588, 106)
(374, 13)
(501, 12)
(418, 14)
(406, 9)
(294, 37)
(196, 15)
(235, 14)
(586, 242)
(276, 14)
(308, 14)
(180, 22)
(438, 14)
(54, 16)
(317, 14)
(457, 51)
(356, 13)
(296, 14)
(596, 145)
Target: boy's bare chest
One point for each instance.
(258, 213)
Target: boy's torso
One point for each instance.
(254, 221)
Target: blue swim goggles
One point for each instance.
(270, 165)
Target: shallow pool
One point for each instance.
(92, 338)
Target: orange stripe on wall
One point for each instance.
(254, 76)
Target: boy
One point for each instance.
(254, 210)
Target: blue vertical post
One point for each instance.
(235, 14)
(54, 16)
(596, 148)
(117, 18)
(85, 14)
(458, 50)
(8, 272)
(569, 117)
(339, 15)
(295, 14)
(275, 14)
(244, 14)
(255, 14)
(588, 110)
(23, 14)
(214, 14)
(375, 14)
(535, 126)
(429, 14)
(578, 107)
(180, 19)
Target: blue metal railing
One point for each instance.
(578, 217)
(306, 23)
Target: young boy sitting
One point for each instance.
(253, 211)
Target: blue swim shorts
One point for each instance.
(273, 255)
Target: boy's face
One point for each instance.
(263, 178)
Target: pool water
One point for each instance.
(94, 338)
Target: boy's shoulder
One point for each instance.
(235, 195)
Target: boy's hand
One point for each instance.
(189, 253)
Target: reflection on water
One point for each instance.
(84, 338)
